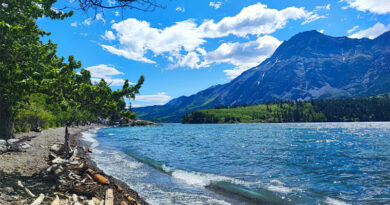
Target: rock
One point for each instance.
(123, 203)
(55, 148)
(3, 146)
(8, 190)
(25, 146)
(90, 150)
(13, 145)
(12, 141)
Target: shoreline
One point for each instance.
(29, 167)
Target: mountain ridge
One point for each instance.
(310, 65)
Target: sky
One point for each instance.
(188, 45)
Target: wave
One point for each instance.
(220, 184)
(89, 136)
(332, 201)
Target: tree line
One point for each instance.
(321, 110)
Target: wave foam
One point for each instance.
(89, 136)
(332, 201)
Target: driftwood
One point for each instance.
(25, 189)
(39, 199)
(23, 139)
(119, 188)
(98, 177)
(130, 199)
(109, 197)
(74, 154)
(123, 203)
(56, 201)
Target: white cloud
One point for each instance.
(109, 35)
(98, 17)
(352, 29)
(181, 43)
(111, 2)
(84, 34)
(156, 99)
(327, 7)
(312, 17)
(136, 38)
(371, 32)
(373, 6)
(243, 55)
(106, 72)
(216, 5)
(256, 19)
(181, 9)
(190, 60)
(74, 24)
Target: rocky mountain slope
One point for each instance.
(310, 65)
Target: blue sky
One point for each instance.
(192, 45)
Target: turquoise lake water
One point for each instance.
(287, 163)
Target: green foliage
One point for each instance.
(327, 110)
(36, 86)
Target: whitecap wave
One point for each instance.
(332, 201)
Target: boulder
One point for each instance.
(13, 145)
(55, 148)
(3, 146)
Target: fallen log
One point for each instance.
(109, 197)
(39, 200)
(98, 177)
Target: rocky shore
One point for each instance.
(39, 174)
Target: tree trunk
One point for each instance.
(67, 147)
(6, 122)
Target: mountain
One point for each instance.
(310, 65)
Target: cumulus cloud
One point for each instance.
(181, 9)
(216, 5)
(352, 29)
(371, 32)
(106, 72)
(109, 35)
(256, 19)
(243, 55)
(182, 42)
(373, 6)
(155, 99)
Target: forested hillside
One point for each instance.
(326, 110)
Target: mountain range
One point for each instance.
(310, 65)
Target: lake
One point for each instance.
(286, 163)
